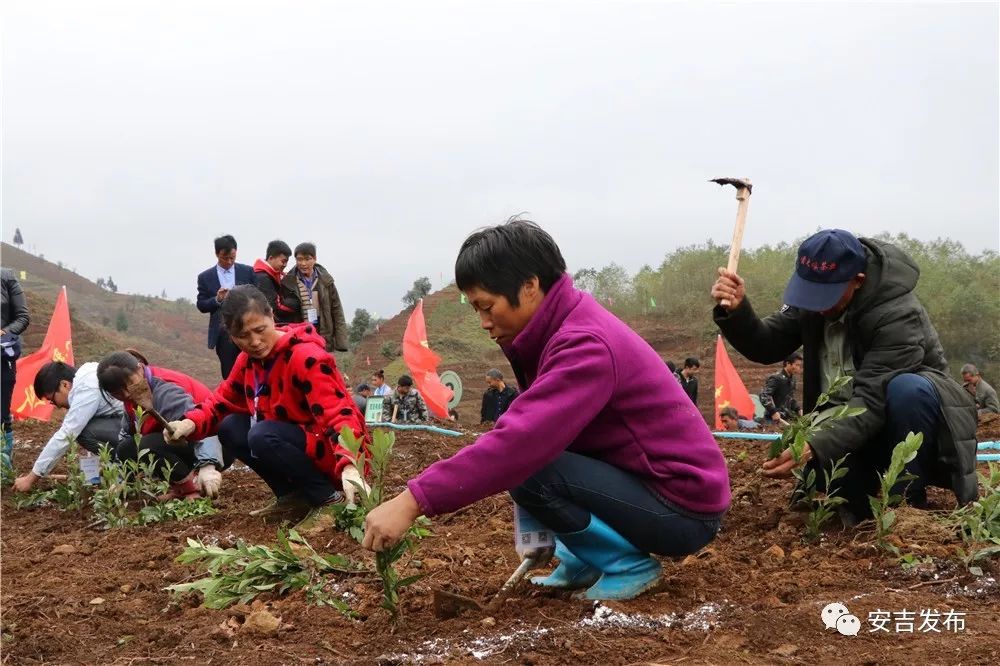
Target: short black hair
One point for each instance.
(241, 301)
(730, 412)
(51, 374)
(404, 380)
(692, 362)
(308, 249)
(793, 358)
(115, 370)
(501, 259)
(380, 374)
(225, 244)
(277, 248)
(671, 366)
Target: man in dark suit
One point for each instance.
(213, 287)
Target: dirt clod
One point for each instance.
(261, 623)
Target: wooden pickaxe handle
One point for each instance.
(162, 421)
(743, 196)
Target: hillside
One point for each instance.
(169, 333)
(172, 333)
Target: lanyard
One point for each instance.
(258, 387)
(260, 383)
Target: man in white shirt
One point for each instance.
(213, 287)
(94, 418)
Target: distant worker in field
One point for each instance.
(378, 385)
(214, 285)
(688, 377)
(778, 394)
(308, 294)
(269, 271)
(601, 446)
(13, 323)
(361, 395)
(94, 418)
(732, 421)
(850, 306)
(286, 403)
(984, 394)
(405, 405)
(497, 398)
(195, 469)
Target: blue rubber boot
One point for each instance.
(8, 447)
(626, 571)
(572, 572)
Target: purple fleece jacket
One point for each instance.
(591, 385)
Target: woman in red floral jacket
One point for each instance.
(290, 403)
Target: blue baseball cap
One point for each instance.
(825, 265)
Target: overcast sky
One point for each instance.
(135, 132)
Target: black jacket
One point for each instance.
(14, 316)
(690, 386)
(779, 395)
(890, 334)
(495, 402)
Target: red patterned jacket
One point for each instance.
(297, 383)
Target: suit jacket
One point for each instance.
(208, 287)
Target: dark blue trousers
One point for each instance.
(276, 451)
(912, 405)
(563, 495)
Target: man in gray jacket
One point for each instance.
(850, 306)
(984, 394)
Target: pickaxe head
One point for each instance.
(738, 183)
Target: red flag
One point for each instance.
(58, 346)
(423, 364)
(729, 388)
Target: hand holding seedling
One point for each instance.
(386, 524)
(783, 465)
(729, 290)
(221, 294)
(23, 484)
(353, 482)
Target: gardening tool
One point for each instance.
(162, 421)
(743, 189)
(450, 604)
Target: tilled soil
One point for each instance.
(753, 596)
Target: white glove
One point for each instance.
(182, 430)
(352, 480)
(209, 481)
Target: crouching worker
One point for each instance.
(285, 402)
(601, 446)
(850, 305)
(93, 419)
(194, 469)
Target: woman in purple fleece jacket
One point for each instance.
(602, 446)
